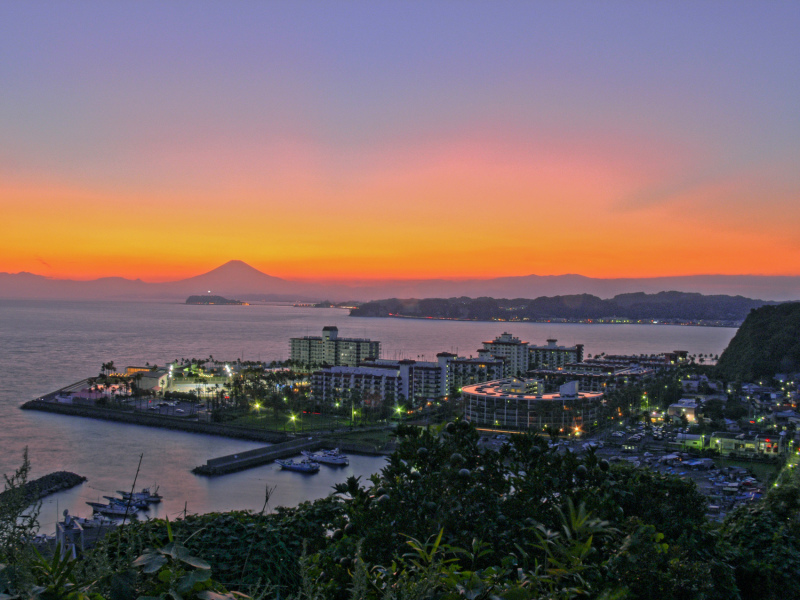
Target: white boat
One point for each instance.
(328, 457)
(303, 466)
(136, 504)
(146, 495)
(110, 510)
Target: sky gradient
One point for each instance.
(376, 140)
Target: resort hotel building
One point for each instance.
(522, 405)
(521, 356)
(330, 349)
(381, 380)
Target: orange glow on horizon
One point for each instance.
(468, 209)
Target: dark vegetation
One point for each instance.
(768, 342)
(445, 520)
(679, 306)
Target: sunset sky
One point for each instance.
(374, 140)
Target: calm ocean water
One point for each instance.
(45, 345)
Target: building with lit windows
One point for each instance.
(330, 349)
(512, 350)
(412, 381)
(521, 405)
(333, 384)
(553, 356)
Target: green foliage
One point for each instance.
(448, 519)
(243, 549)
(766, 553)
(18, 524)
(768, 342)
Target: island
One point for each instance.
(214, 300)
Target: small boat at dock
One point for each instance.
(137, 504)
(332, 458)
(303, 466)
(150, 497)
(110, 510)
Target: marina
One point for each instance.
(306, 447)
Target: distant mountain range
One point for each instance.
(239, 280)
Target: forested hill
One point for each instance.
(768, 342)
(678, 306)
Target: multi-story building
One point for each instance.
(687, 407)
(333, 384)
(330, 349)
(521, 405)
(461, 371)
(512, 350)
(553, 356)
(413, 381)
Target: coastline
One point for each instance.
(732, 325)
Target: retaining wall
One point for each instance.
(163, 421)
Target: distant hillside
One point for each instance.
(768, 342)
(213, 300)
(666, 306)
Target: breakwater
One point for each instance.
(261, 456)
(46, 485)
(162, 421)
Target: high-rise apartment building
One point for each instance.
(330, 349)
(553, 356)
(510, 348)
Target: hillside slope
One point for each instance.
(768, 342)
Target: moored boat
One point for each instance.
(110, 510)
(150, 497)
(303, 466)
(328, 457)
(137, 504)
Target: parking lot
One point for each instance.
(726, 487)
(167, 408)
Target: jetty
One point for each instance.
(51, 483)
(262, 456)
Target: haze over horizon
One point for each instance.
(239, 267)
(362, 142)
(237, 279)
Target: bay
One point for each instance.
(45, 345)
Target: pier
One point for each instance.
(254, 458)
(261, 456)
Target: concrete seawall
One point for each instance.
(261, 456)
(162, 421)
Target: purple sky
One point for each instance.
(157, 100)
